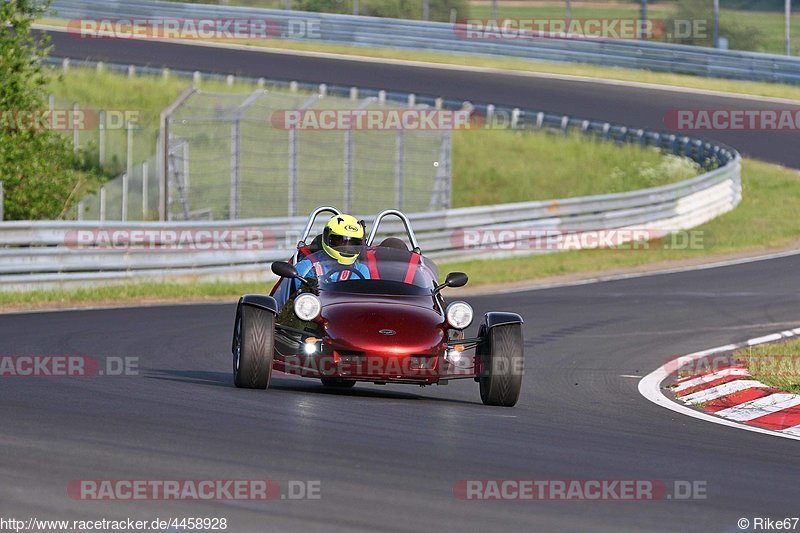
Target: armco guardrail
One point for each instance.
(444, 37)
(48, 254)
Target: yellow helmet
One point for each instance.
(342, 238)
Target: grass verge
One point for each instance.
(777, 365)
(140, 293)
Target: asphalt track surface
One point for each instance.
(387, 457)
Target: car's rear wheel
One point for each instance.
(338, 383)
(503, 359)
(253, 347)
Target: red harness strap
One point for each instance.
(412, 269)
(372, 263)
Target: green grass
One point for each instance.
(133, 292)
(777, 365)
(501, 166)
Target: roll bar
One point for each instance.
(407, 223)
(310, 225)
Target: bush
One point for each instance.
(39, 171)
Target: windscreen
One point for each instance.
(383, 270)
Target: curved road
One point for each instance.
(388, 457)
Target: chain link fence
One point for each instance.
(228, 157)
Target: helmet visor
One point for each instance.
(345, 245)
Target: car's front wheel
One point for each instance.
(253, 347)
(502, 358)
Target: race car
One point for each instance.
(391, 326)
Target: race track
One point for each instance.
(391, 455)
(388, 457)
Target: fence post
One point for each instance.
(125, 197)
(348, 170)
(102, 204)
(399, 170)
(185, 150)
(2, 200)
(129, 152)
(348, 157)
(292, 193)
(440, 196)
(101, 142)
(145, 207)
(235, 162)
(163, 149)
(234, 209)
(293, 143)
(75, 110)
(80, 210)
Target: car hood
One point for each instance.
(383, 325)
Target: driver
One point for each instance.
(342, 241)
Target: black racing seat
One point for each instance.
(394, 242)
(312, 248)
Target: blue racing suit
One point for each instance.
(315, 266)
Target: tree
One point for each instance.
(37, 166)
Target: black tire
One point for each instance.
(503, 361)
(338, 383)
(254, 338)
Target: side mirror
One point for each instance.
(285, 270)
(453, 279)
(456, 279)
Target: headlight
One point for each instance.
(459, 315)
(307, 307)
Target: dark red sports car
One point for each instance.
(392, 326)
